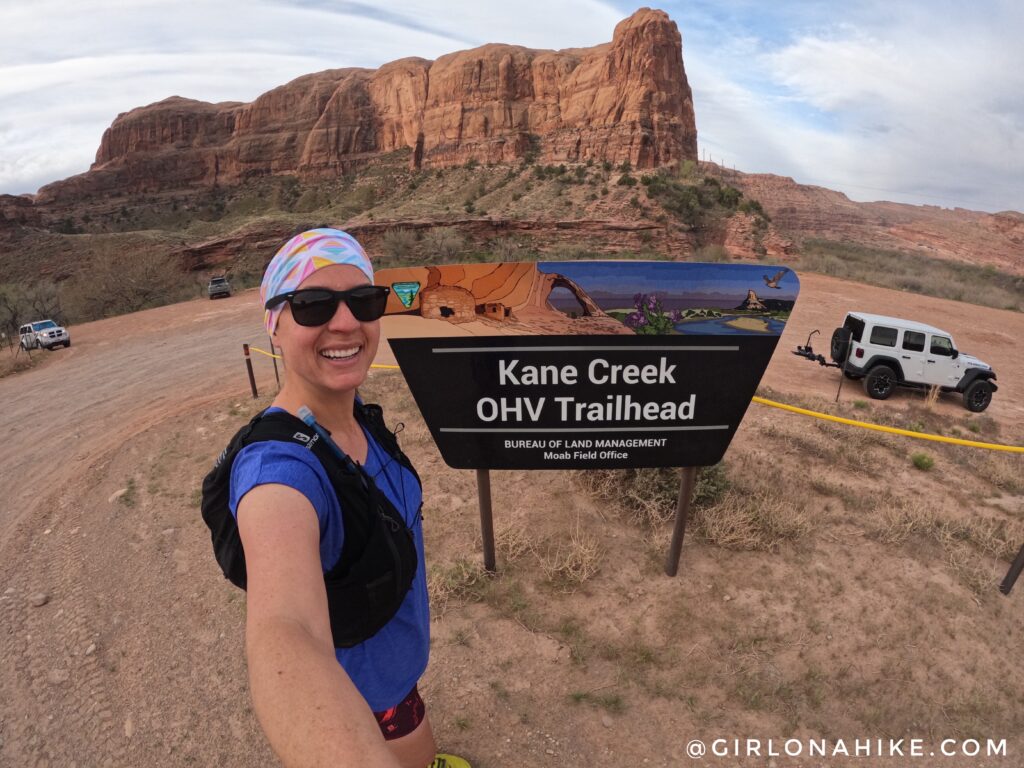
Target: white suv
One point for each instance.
(43, 333)
(887, 352)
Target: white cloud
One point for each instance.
(915, 102)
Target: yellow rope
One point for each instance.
(264, 352)
(891, 430)
(278, 357)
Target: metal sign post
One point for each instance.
(686, 486)
(483, 490)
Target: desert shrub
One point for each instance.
(687, 169)
(627, 180)
(363, 197)
(443, 243)
(119, 282)
(648, 496)
(286, 194)
(398, 244)
(22, 304)
(754, 207)
(507, 248)
(729, 197)
(923, 461)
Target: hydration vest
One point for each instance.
(378, 557)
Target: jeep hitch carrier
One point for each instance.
(808, 352)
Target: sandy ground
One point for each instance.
(136, 655)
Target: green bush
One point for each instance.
(923, 461)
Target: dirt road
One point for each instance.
(95, 675)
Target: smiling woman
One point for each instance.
(321, 524)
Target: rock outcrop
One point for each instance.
(751, 303)
(804, 211)
(627, 100)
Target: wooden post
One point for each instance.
(686, 485)
(274, 360)
(483, 489)
(1013, 574)
(248, 367)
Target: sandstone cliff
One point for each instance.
(804, 211)
(627, 100)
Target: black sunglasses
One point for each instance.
(316, 306)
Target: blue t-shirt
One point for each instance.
(386, 666)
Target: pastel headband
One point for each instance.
(303, 255)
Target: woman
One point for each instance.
(316, 702)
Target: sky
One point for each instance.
(918, 101)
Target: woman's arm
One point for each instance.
(310, 711)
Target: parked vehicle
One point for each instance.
(43, 333)
(886, 352)
(219, 286)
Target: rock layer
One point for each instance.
(627, 100)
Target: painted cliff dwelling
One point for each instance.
(507, 298)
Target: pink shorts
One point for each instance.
(403, 718)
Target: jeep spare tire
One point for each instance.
(880, 382)
(840, 347)
(978, 395)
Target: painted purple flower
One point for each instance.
(652, 302)
(635, 319)
(676, 316)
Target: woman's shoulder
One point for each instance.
(281, 463)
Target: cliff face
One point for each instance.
(803, 211)
(627, 100)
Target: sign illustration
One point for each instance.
(585, 364)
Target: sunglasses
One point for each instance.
(316, 306)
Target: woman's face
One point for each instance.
(337, 355)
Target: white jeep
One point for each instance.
(43, 333)
(886, 352)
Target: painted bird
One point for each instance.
(774, 281)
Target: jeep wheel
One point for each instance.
(880, 382)
(840, 346)
(977, 396)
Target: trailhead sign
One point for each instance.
(585, 364)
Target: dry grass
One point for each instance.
(1000, 470)
(512, 542)
(648, 496)
(11, 363)
(568, 564)
(459, 582)
(914, 272)
(961, 539)
(761, 520)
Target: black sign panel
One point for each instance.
(554, 402)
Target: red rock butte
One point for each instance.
(627, 100)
